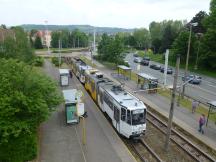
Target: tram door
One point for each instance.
(117, 118)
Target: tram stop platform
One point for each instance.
(61, 142)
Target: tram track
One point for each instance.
(186, 145)
(144, 151)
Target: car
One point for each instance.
(156, 67)
(137, 60)
(144, 62)
(193, 79)
(146, 58)
(169, 70)
(135, 55)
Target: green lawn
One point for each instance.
(187, 103)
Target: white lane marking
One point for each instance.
(211, 85)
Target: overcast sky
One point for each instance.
(110, 13)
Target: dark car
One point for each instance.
(169, 70)
(146, 58)
(156, 67)
(194, 79)
(135, 55)
(144, 62)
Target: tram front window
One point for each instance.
(138, 117)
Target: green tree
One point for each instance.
(55, 36)
(27, 98)
(116, 49)
(208, 48)
(180, 46)
(199, 18)
(142, 38)
(38, 43)
(103, 47)
(17, 46)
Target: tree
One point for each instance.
(164, 33)
(208, 48)
(27, 98)
(180, 45)
(17, 46)
(142, 38)
(38, 43)
(116, 50)
(55, 36)
(198, 18)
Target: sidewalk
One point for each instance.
(182, 116)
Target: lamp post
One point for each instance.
(47, 43)
(187, 58)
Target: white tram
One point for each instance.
(128, 113)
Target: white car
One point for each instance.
(137, 60)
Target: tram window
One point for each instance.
(108, 102)
(128, 117)
(123, 114)
(93, 86)
(116, 113)
(101, 96)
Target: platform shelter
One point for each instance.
(124, 71)
(147, 82)
(212, 109)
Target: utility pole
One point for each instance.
(94, 41)
(166, 65)
(187, 58)
(60, 52)
(47, 43)
(172, 104)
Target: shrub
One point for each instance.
(55, 61)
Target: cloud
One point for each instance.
(118, 13)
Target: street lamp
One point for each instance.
(47, 43)
(199, 35)
(187, 58)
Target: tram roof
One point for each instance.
(70, 95)
(64, 71)
(124, 67)
(125, 99)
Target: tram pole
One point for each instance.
(172, 104)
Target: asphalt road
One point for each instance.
(204, 92)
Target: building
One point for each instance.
(45, 37)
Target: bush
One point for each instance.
(55, 61)
(39, 61)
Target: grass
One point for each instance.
(186, 103)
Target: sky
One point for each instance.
(103, 13)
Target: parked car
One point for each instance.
(137, 60)
(135, 55)
(156, 67)
(169, 70)
(194, 79)
(146, 58)
(144, 62)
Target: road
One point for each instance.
(204, 92)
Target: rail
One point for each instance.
(191, 149)
(140, 148)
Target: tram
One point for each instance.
(127, 113)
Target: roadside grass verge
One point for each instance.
(187, 103)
